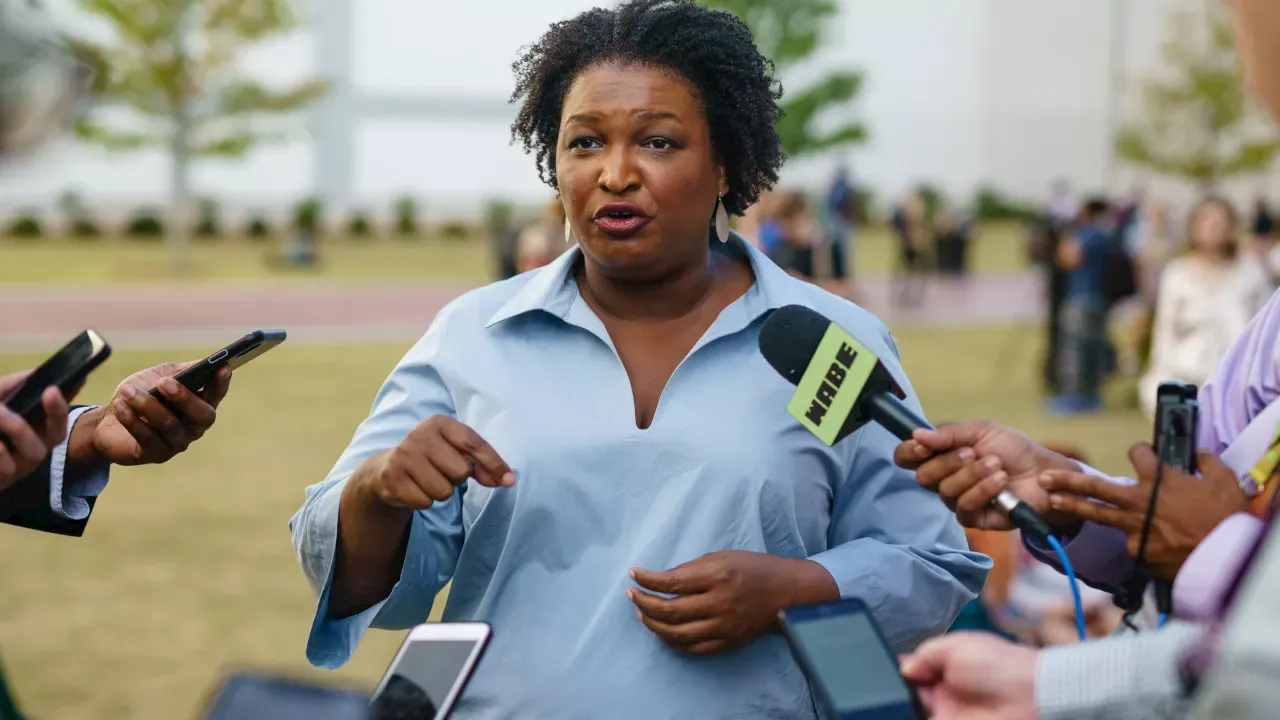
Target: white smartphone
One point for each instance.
(430, 671)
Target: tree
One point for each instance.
(788, 32)
(175, 65)
(1198, 122)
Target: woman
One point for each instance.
(596, 454)
(1205, 299)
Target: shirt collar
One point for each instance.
(553, 290)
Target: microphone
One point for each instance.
(841, 386)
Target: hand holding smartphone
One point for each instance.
(66, 370)
(197, 375)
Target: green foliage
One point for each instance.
(788, 32)
(308, 217)
(455, 230)
(406, 211)
(258, 228)
(146, 225)
(208, 224)
(1197, 122)
(26, 226)
(82, 224)
(140, 70)
(991, 205)
(499, 214)
(85, 227)
(360, 226)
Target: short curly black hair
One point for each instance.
(711, 49)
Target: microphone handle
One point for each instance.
(885, 409)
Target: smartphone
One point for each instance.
(257, 696)
(851, 667)
(65, 370)
(430, 671)
(1177, 426)
(235, 355)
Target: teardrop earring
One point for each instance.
(568, 231)
(722, 220)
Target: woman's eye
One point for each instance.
(585, 143)
(659, 144)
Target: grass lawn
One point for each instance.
(997, 249)
(187, 569)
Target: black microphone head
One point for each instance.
(833, 372)
(789, 339)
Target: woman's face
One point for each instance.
(636, 171)
(1212, 231)
(1257, 28)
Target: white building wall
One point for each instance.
(1011, 93)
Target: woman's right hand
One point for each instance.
(434, 458)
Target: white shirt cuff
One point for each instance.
(70, 499)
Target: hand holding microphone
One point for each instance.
(841, 386)
(968, 464)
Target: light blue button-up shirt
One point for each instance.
(530, 367)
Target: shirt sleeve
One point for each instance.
(895, 546)
(1206, 576)
(1245, 382)
(414, 391)
(1099, 555)
(1131, 677)
(70, 492)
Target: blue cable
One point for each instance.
(1161, 621)
(1075, 587)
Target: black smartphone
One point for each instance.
(258, 696)
(65, 370)
(1177, 425)
(848, 662)
(234, 356)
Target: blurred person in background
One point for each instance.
(573, 450)
(1206, 298)
(1082, 346)
(1153, 241)
(1058, 215)
(913, 225)
(1263, 224)
(951, 241)
(840, 218)
(504, 235)
(792, 233)
(542, 241)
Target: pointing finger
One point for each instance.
(491, 469)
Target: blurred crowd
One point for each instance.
(1133, 288)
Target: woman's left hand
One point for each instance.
(724, 600)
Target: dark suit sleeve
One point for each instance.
(26, 504)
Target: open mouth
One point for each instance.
(620, 219)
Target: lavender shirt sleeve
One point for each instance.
(1244, 384)
(1205, 577)
(1098, 553)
